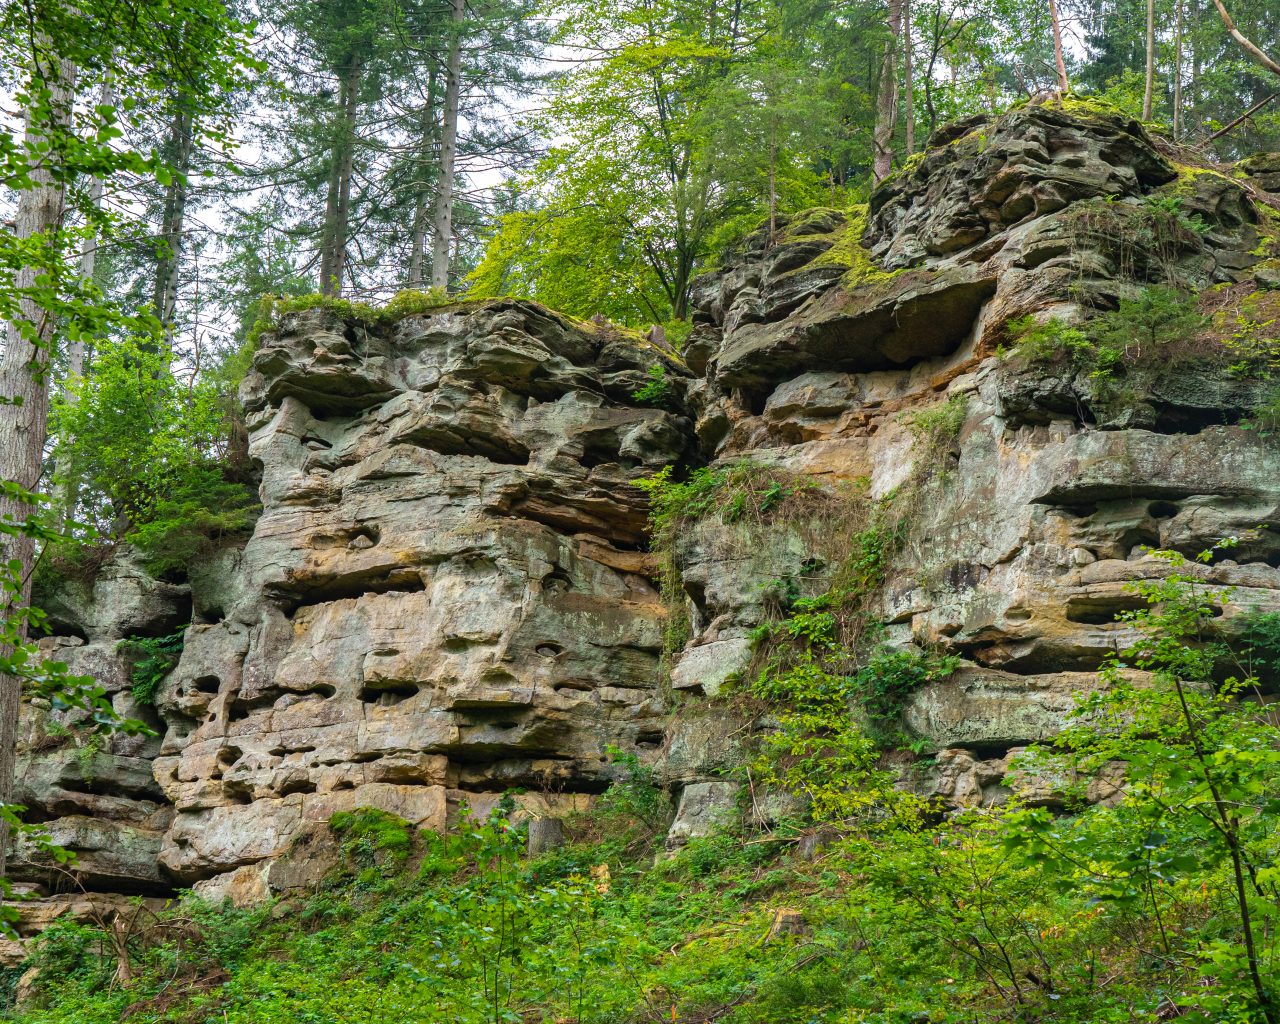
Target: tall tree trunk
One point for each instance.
(442, 222)
(23, 427)
(773, 183)
(1063, 85)
(337, 212)
(426, 147)
(67, 481)
(1244, 43)
(908, 74)
(173, 221)
(887, 98)
(1148, 90)
(1196, 63)
(1177, 73)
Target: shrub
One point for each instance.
(656, 391)
(1258, 638)
(1140, 332)
(373, 838)
(636, 793)
(155, 658)
(886, 682)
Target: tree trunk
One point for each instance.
(1177, 73)
(908, 74)
(333, 256)
(172, 224)
(1063, 85)
(1196, 63)
(773, 184)
(1244, 43)
(67, 481)
(887, 98)
(23, 427)
(426, 146)
(1148, 90)
(442, 222)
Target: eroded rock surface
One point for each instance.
(1044, 501)
(449, 592)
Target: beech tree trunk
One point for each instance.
(1063, 85)
(442, 222)
(1148, 91)
(1177, 73)
(68, 493)
(24, 384)
(337, 211)
(426, 147)
(173, 220)
(887, 98)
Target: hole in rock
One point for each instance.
(209, 616)
(238, 796)
(297, 786)
(580, 685)
(282, 751)
(1083, 511)
(649, 738)
(1101, 611)
(404, 581)
(366, 757)
(207, 684)
(343, 786)
(549, 650)
(1183, 420)
(238, 713)
(388, 694)
(556, 582)
(1162, 510)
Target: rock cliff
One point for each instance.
(450, 593)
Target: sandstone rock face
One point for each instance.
(446, 597)
(1040, 511)
(449, 592)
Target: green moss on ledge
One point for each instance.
(405, 303)
(848, 251)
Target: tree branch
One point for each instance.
(1245, 44)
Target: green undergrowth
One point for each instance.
(867, 905)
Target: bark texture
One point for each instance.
(887, 97)
(24, 385)
(443, 219)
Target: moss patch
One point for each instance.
(405, 303)
(848, 251)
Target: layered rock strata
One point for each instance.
(449, 593)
